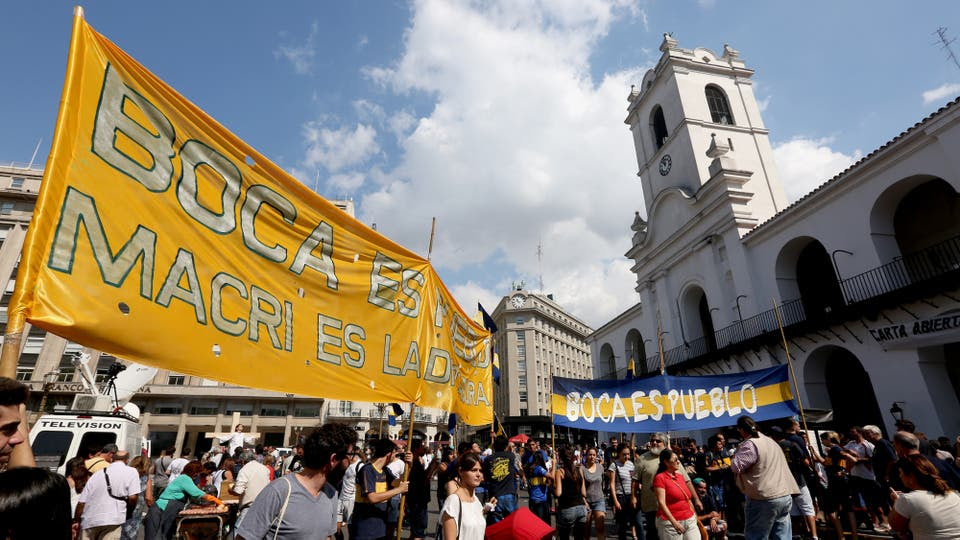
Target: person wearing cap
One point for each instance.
(711, 516)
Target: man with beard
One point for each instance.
(646, 469)
(13, 425)
(303, 505)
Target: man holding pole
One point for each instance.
(369, 520)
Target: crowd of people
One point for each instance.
(766, 481)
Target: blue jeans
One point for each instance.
(506, 504)
(571, 520)
(541, 510)
(768, 519)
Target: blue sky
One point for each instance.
(502, 119)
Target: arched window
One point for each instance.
(659, 125)
(719, 108)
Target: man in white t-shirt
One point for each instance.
(863, 481)
(102, 506)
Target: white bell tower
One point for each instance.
(696, 123)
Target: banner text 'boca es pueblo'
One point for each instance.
(670, 403)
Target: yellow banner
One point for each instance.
(161, 237)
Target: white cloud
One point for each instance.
(762, 104)
(339, 148)
(949, 90)
(400, 124)
(300, 56)
(347, 182)
(469, 293)
(806, 163)
(521, 145)
(362, 41)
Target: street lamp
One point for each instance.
(48, 379)
(896, 411)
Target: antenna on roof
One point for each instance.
(540, 263)
(942, 35)
(34, 156)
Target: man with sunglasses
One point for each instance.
(646, 466)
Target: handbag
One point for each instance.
(439, 533)
(129, 507)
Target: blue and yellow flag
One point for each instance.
(631, 369)
(670, 403)
(395, 411)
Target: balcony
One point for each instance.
(908, 278)
(346, 413)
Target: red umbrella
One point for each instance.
(520, 525)
(520, 439)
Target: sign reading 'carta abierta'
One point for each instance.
(669, 403)
(161, 237)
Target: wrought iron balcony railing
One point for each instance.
(918, 270)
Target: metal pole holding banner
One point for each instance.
(793, 375)
(406, 473)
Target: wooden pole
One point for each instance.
(553, 429)
(406, 474)
(663, 369)
(793, 375)
(10, 354)
(433, 226)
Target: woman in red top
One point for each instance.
(676, 518)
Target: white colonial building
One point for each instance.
(865, 268)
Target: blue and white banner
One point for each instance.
(670, 403)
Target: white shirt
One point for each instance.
(235, 440)
(474, 525)
(932, 517)
(397, 467)
(99, 508)
(348, 489)
(252, 478)
(863, 450)
(176, 467)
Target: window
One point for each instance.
(519, 320)
(6, 208)
(659, 125)
(50, 448)
(523, 396)
(520, 337)
(522, 380)
(176, 380)
(66, 370)
(245, 409)
(522, 351)
(273, 410)
(167, 408)
(307, 411)
(719, 108)
(522, 365)
(204, 408)
(16, 183)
